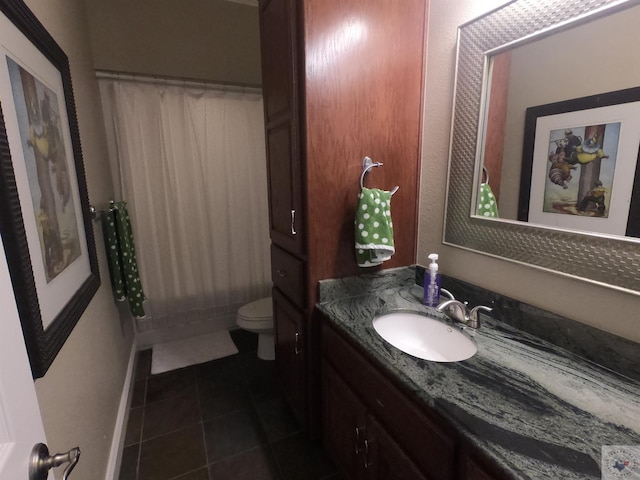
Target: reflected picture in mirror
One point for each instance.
(580, 161)
(512, 60)
(546, 76)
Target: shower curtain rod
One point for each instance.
(175, 81)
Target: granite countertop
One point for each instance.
(537, 410)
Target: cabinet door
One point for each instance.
(343, 424)
(278, 45)
(285, 189)
(471, 470)
(290, 353)
(384, 459)
(474, 472)
(421, 435)
(278, 36)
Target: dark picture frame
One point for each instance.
(578, 106)
(52, 262)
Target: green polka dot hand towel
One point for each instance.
(487, 206)
(374, 228)
(121, 257)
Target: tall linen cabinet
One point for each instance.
(342, 79)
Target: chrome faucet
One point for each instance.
(458, 311)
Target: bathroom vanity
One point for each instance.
(521, 407)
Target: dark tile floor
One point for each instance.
(221, 420)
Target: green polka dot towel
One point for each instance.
(374, 228)
(121, 257)
(487, 206)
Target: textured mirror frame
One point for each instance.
(598, 259)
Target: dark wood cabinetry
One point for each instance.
(386, 459)
(360, 444)
(473, 466)
(371, 428)
(344, 422)
(341, 80)
(278, 37)
(473, 471)
(290, 352)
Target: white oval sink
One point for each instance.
(424, 337)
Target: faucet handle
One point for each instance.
(474, 319)
(454, 309)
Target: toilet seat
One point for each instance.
(257, 317)
(256, 311)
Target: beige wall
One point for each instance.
(80, 394)
(210, 40)
(604, 308)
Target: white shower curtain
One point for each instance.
(190, 162)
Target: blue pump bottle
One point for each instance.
(432, 283)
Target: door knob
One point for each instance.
(41, 462)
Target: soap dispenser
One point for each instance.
(432, 282)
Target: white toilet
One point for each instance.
(257, 317)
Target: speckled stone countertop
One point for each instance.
(538, 410)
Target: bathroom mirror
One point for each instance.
(522, 25)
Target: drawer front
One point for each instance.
(287, 274)
(420, 436)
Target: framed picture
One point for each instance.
(580, 160)
(45, 220)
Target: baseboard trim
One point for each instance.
(117, 442)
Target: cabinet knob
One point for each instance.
(281, 273)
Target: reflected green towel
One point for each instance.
(487, 206)
(374, 228)
(121, 256)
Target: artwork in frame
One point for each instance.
(580, 163)
(45, 220)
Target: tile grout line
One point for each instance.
(144, 408)
(201, 415)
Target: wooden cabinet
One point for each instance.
(344, 422)
(385, 459)
(290, 353)
(473, 466)
(278, 37)
(362, 448)
(341, 80)
(473, 471)
(288, 275)
(372, 429)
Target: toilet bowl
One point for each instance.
(257, 317)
